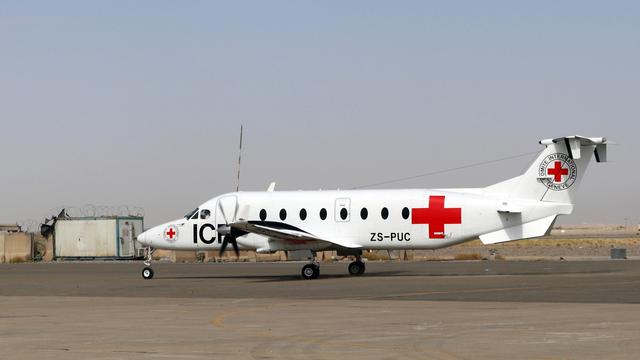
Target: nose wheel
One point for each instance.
(147, 273)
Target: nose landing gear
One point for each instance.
(147, 272)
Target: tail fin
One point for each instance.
(556, 173)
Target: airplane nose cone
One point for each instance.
(144, 238)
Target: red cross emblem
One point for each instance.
(436, 216)
(557, 171)
(170, 233)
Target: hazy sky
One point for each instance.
(140, 102)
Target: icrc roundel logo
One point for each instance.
(170, 233)
(558, 171)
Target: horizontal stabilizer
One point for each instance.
(583, 140)
(525, 231)
(576, 142)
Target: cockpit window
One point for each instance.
(204, 214)
(191, 213)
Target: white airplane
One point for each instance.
(353, 221)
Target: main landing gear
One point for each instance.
(147, 272)
(312, 270)
(357, 267)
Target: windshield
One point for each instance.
(190, 214)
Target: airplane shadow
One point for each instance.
(406, 274)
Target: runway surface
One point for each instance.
(421, 310)
(536, 281)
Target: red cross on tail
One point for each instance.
(436, 216)
(557, 171)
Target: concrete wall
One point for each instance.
(44, 246)
(15, 247)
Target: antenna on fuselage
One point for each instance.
(239, 160)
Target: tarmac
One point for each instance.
(397, 310)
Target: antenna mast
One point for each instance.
(239, 160)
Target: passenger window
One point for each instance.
(303, 214)
(205, 214)
(323, 213)
(364, 213)
(263, 214)
(344, 213)
(283, 214)
(405, 213)
(384, 213)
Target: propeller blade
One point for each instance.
(234, 243)
(223, 247)
(229, 239)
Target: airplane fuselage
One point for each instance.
(368, 219)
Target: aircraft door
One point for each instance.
(343, 210)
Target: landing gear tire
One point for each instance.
(147, 273)
(356, 268)
(310, 271)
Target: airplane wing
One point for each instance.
(284, 232)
